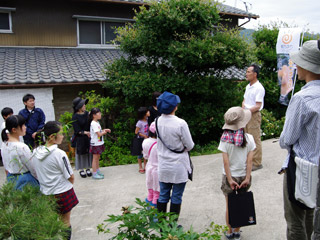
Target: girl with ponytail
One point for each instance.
(16, 155)
(54, 170)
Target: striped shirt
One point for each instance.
(302, 125)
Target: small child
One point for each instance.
(5, 112)
(96, 143)
(54, 170)
(237, 152)
(142, 130)
(149, 149)
(16, 155)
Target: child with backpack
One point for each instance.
(150, 152)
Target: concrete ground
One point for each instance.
(203, 201)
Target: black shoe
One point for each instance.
(82, 174)
(89, 173)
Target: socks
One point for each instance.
(150, 195)
(155, 197)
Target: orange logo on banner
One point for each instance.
(287, 38)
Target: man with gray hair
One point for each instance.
(301, 132)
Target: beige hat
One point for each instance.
(236, 118)
(308, 57)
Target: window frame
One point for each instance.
(7, 10)
(102, 20)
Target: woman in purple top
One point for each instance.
(142, 131)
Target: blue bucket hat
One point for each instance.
(166, 102)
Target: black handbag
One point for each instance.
(136, 146)
(190, 175)
(73, 141)
(241, 209)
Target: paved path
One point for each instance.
(203, 201)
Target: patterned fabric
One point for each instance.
(234, 137)
(66, 201)
(97, 149)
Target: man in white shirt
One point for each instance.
(253, 100)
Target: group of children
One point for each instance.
(49, 166)
(46, 166)
(237, 151)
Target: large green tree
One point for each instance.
(180, 46)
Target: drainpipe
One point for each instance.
(249, 18)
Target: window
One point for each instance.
(89, 32)
(98, 30)
(5, 20)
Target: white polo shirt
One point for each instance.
(254, 93)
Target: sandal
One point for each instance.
(141, 171)
(89, 173)
(82, 174)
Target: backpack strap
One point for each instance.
(151, 148)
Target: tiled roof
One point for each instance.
(223, 8)
(53, 65)
(233, 73)
(63, 65)
(235, 11)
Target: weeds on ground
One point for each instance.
(145, 222)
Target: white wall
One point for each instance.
(13, 98)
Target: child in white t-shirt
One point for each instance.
(54, 171)
(237, 152)
(96, 142)
(16, 155)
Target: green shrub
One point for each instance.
(270, 126)
(144, 222)
(179, 46)
(28, 214)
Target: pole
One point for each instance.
(295, 72)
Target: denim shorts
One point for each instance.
(225, 186)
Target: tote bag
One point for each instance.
(306, 182)
(136, 146)
(241, 209)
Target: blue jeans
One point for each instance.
(22, 180)
(177, 192)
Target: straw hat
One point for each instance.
(236, 118)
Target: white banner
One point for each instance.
(288, 40)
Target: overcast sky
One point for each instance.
(305, 14)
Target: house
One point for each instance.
(55, 49)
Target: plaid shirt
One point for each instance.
(234, 137)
